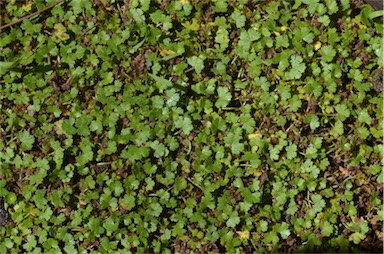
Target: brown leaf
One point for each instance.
(263, 178)
(377, 80)
(138, 63)
(344, 171)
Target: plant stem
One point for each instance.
(31, 15)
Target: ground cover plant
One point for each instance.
(191, 127)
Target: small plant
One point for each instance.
(176, 126)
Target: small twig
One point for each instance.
(189, 179)
(31, 15)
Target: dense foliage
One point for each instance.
(203, 126)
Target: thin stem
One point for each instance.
(31, 15)
(189, 179)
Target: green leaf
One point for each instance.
(363, 132)
(87, 154)
(357, 237)
(233, 220)
(156, 209)
(173, 97)
(297, 68)
(271, 237)
(159, 18)
(110, 225)
(263, 225)
(309, 167)
(197, 63)
(27, 140)
(313, 87)
(77, 6)
(30, 244)
(67, 126)
(6, 66)
(337, 130)
(312, 5)
(60, 33)
(222, 38)
(224, 97)
(108, 79)
(284, 230)
(308, 36)
(117, 188)
(292, 208)
(163, 83)
(291, 151)
(238, 18)
(129, 201)
(194, 26)
(232, 140)
(159, 148)
(364, 117)
(324, 20)
(185, 123)
(313, 121)
(220, 6)
(82, 124)
(318, 202)
(282, 42)
(342, 112)
(47, 214)
(274, 153)
(134, 153)
(328, 53)
(138, 16)
(332, 6)
(326, 228)
(237, 148)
